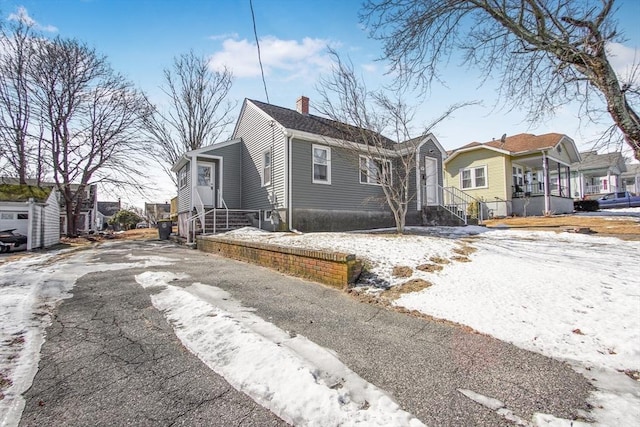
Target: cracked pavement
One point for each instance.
(110, 358)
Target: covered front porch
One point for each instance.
(541, 185)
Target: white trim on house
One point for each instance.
(264, 170)
(315, 180)
(366, 171)
(185, 158)
(474, 177)
(477, 147)
(182, 177)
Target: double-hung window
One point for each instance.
(473, 178)
(266, 168)
(321, 164)
(374, 171)
(182, 177)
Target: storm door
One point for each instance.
(206, 187)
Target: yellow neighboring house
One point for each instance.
(520, 175)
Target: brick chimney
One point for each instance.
(302, 105)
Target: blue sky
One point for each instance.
(141, 37)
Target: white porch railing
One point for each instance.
(601, 188)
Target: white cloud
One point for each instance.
(22, 15)
(224, 36)
(288, 59)
(623, 59)
(370, 68)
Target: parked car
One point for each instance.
(9, 239)
(621, 199)
(142, 225)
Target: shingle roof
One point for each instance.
(593, 160)
(633, 169)
(524, 142)
(108, 208)
(317, 125)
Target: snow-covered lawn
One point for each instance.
(569, 296)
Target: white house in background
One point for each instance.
(597, 174)
(87, 217)
(631, 178)
(104, 212)
(32, 211)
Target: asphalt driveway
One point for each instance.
(110, 358)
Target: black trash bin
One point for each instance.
(164, 229)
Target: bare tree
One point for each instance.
(92, 117)
(363, 118)
(198, 111)
(19, 148)
(547, 53)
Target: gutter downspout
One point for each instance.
(289, 180)
(545, 168)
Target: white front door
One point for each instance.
(431, 190)
(206, 187)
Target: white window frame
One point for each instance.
(371, 163)
(472, 171)
(267, 168)
(182, 177)
(314, 180)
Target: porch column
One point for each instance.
(568, 169)
(545, 169)
(609, 186)
(581, 184)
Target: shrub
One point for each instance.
(585, 205)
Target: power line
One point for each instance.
(255, 33)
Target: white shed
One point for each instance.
(32, 211)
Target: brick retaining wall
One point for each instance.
(331, 268)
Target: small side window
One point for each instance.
(266, 168)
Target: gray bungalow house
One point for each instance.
(293, 170)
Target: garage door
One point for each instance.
(14, 219)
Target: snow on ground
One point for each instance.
(569, 296)
(267, 363)
(30, 289)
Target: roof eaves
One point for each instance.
(455, 153)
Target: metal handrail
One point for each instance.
(461, 205)
(226, 208)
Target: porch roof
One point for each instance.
(186, 157)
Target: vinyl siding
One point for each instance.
(184, 193)
(51, 221)
(428, 149)
(231, 173)
(258, 135)
(496, 164)
(563, 156)
(345, 191)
